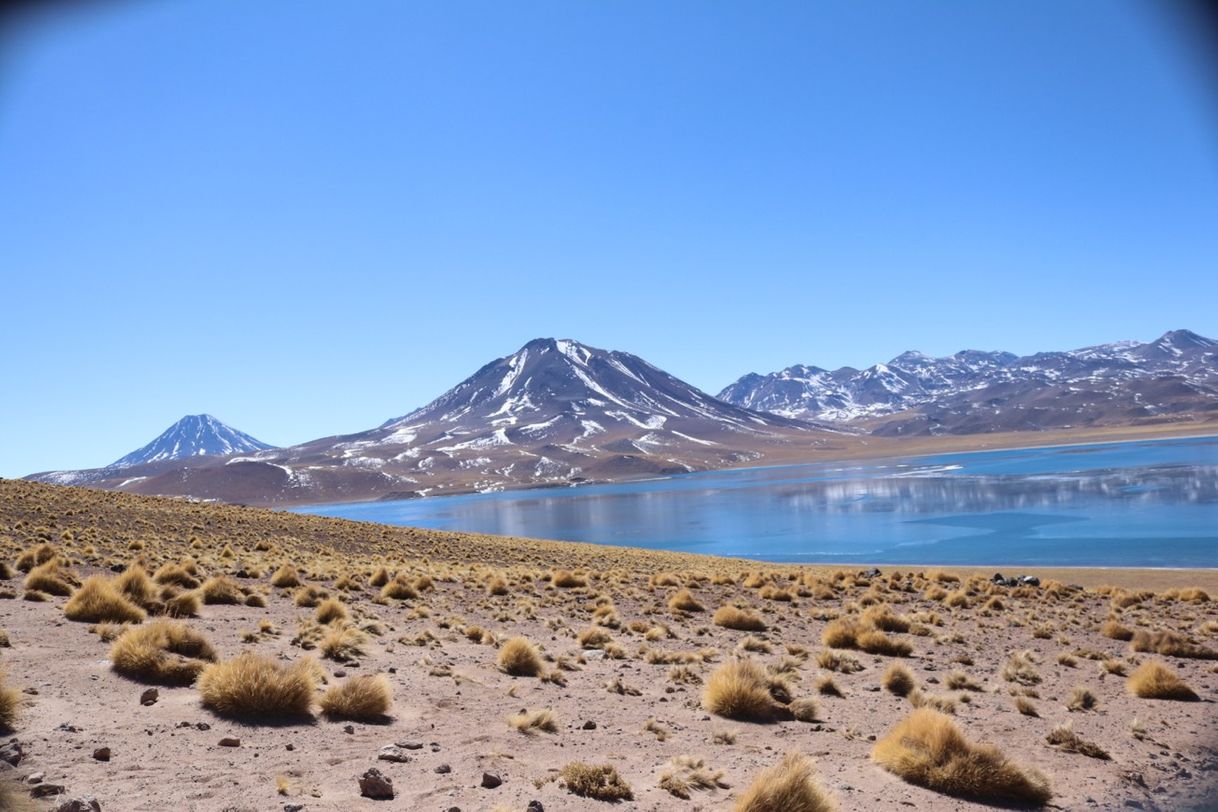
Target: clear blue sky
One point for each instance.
(308, 217)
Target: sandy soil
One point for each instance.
(450, 698)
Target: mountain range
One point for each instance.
(557, 412)
(973, 391)
(554, 412)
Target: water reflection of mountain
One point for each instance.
(960, 493)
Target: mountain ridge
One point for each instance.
(917, 393)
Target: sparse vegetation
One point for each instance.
(927, 749)
(253, 688)
(789, 786)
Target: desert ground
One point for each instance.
(163, 654)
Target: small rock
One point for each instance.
(12, 753)
(150, 696)
(534, 806)
(85, 803)
(202, 726)
(373, 784)
(34, 778)
(67, 728)
(490, 780)
(47, 790)
(293, 808)
(589, 725)
(410, 745)
(348, 729)
(444, 769)
(391, 752)
(230, 741)
(102, 754)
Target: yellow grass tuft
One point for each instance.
(599, 781)
(360, 699)
(331, 610)
(684, 601)
(789, 786)
(898, 680)
(97, 600)
(519, 658)
(565, 579)
(252, 687)
(286, 576)
(51, 578)
(1154, 680)
(740, 689)
(927, 749)
(530, 722)
(220, 589)
(137, 585)
(741, 620)
(164, 652)
(11, 703)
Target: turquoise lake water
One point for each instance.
(1137, 504)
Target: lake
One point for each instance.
(1150, 503)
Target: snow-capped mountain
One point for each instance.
(553, 412)
(195, 435)
(974, 391)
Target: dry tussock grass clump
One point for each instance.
(599, 781)
(11, 703)
(840, 661)
(789, 786)
(1020, 667)
(519, 658)
(399, 589)
(685, 601)
(882, 617)
(164, 652)
(741, 620)
(222, 590)
(1081, 699)
(97, 600)
(286, 576)
(1170, 644)
(331, 610)
(927, 749)
(530, 722)
(252, 687)
(53, 579)
(565, 579)
(1064, 738)
(138, 586)
(309, 596)
(34, 556)
(185, 604)
(687, 773)
(851, 634)
(741, 689)
(342, 642)
(1154, 680)
(177, 575)
(898, 680)
(594, 637)
(359, 699)
(1115, 631)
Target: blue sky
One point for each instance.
(308, 217)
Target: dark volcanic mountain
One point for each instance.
(195, 435)
(974, 392)
(554, 412)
